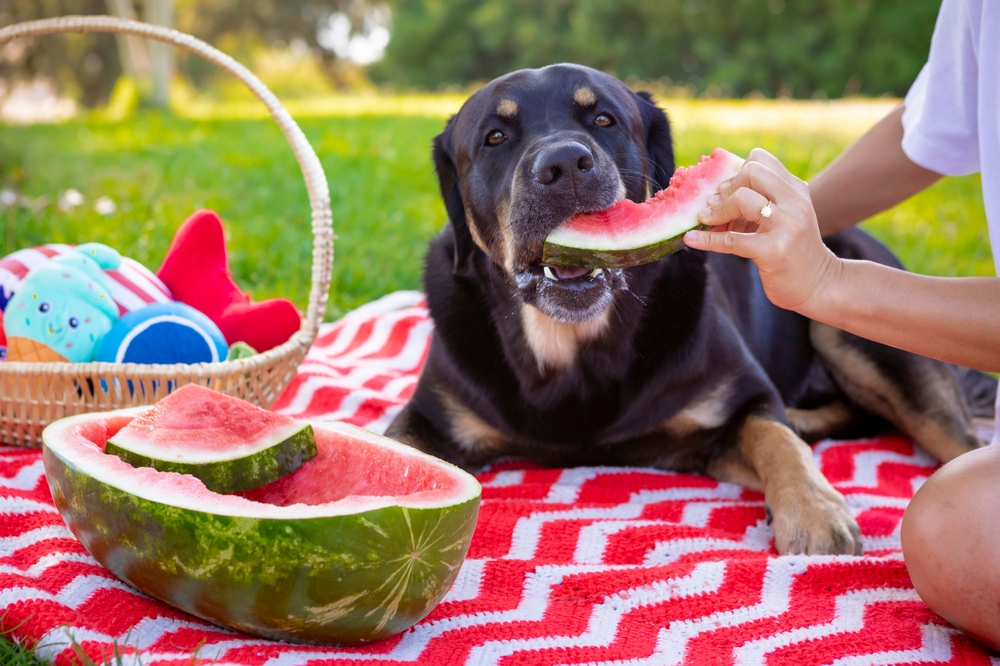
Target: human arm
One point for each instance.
(952, 319)
(874, 170)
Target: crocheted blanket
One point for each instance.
(594, 565)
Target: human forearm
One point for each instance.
(952, 319)
(872, 175)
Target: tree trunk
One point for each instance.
(161, 56)
(131, 49)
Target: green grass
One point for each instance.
(159, 168)
(12, 654)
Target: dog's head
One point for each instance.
(533, 148)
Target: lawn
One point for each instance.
(159, 167)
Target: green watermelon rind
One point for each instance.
(629, 234)
(268, 464)
(561, 255)
(343, 579)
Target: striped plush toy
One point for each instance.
(133, 286)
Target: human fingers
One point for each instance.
(725, 242)
(742, 225)
(777, 166)
(760, 178)
(760, 156)
(745, 203)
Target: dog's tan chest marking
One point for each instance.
(585, 96)
(507, 108)
(705, 412)
(555, 344)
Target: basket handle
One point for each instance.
(312, 170)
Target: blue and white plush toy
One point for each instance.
(164, 333)
(63, 309)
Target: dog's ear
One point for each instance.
(451, 192)
(659, 144)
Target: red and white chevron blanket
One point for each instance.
(595, 565)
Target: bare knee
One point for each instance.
(951, 543)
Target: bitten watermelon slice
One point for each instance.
(226, 442)
(358, 544)
(628, 234)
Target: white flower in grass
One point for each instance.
(7, 197)
(105, 206)
(70, 199)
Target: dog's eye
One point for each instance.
(603, 120)
(495, 138)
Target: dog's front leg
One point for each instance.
(809, 516)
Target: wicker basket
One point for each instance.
(32, 395)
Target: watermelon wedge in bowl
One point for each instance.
(226, 442)
(629, 233)
(357, 544)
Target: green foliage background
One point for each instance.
(793, 48)
(728, 47)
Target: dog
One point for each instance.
(680, 364)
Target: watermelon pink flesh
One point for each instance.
(358, 544)
(353, 470)
(629, 233)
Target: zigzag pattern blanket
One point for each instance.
(568, 566)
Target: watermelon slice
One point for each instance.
(358, 544)
(226, 442)
(628, 234)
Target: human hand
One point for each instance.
(795, 266)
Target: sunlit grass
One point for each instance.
(160, 167)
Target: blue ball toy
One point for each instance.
(164, 333)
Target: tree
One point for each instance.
(825, 47)
(87, 66)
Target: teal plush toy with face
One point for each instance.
(63, 309)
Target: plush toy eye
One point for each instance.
(603, 120)
(495, 138)
(44, 307)
(74, 322)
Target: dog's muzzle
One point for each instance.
(570, 295)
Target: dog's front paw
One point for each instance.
(813, 521)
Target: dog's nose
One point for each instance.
(564, 159)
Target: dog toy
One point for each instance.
(63, 309)
(164, 333)
(239, 350)
(133, 285)
(196, 270)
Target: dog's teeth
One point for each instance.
(548, 273)
(596, 272)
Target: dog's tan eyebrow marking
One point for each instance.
(507, 108)
(585, 97)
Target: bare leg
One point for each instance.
(951, 541)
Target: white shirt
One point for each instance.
(951, 123)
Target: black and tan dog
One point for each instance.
(681, 364)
